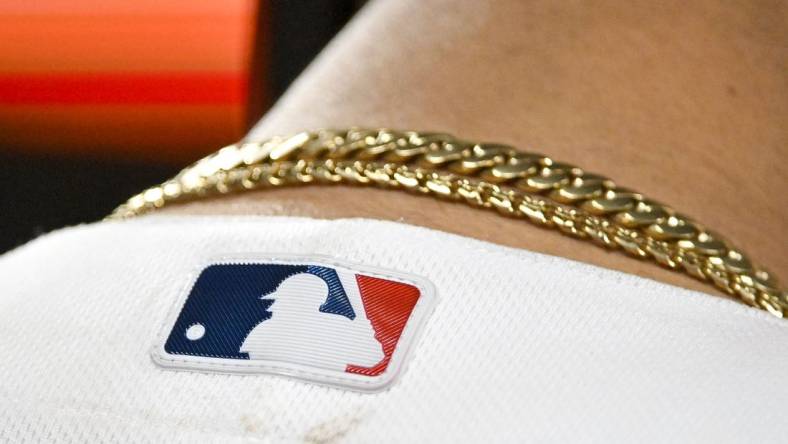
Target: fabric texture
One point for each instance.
(520, 347)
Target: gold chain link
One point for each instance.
(524, 185)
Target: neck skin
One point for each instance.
(684, 102)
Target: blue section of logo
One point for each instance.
(225, 302)
(337, 301)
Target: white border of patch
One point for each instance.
(421, 311)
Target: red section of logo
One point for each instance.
(120, 88)
(388, 305)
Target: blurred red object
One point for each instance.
(145, 79)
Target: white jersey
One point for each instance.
(509, 345)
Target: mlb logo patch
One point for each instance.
(317, 320)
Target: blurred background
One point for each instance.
(100, 99)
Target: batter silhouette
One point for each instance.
(298, 332)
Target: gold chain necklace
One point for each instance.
(524, 185)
